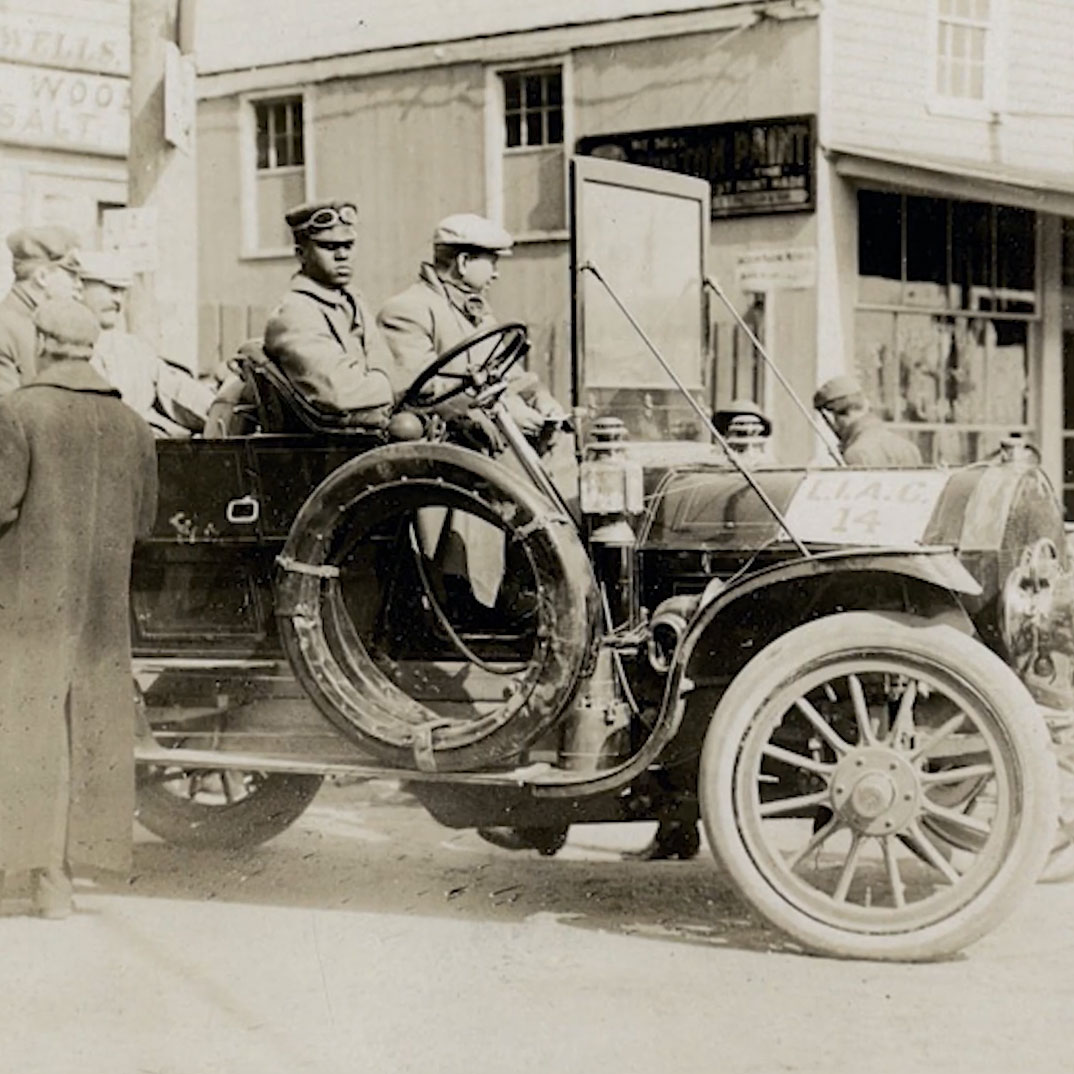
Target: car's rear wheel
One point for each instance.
(219, 809)
(834, 781)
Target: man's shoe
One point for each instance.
(674, 840)
(546, 841)
(52, 893)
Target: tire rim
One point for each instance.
(886, 753)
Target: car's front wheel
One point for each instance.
(834, 781)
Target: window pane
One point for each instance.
(514, 129)
(880, 247)
(297, 152)
(533, 91)
(983, 12)
(555, 88)
(971, 252)
(977, 45)
(926, 252)
(1015, 249)
(957, 80)
(975, 83)
(946, 7)
(555, 127)
(1068, 257)
(512, 94)
(534, 132)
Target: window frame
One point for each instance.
(994, 67)
(1033, 320)
(250, 250)
(496, 148)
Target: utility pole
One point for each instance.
(162, 176)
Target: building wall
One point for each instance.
(881, 87)
(879, 95)
(63, 114)
(413, 146)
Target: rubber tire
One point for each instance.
(276, 804)
(336, 670)
(969, 660)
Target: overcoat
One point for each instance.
(872, 443)
(17, 339)
(78, 484)
(327, 343)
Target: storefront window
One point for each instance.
(945, 320)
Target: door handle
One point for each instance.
(244, 511)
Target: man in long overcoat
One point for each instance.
(78, 484)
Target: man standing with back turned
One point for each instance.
(863, 438)
(78, 484)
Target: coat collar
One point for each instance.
(330, 296)
(75, 376)
(473, 306)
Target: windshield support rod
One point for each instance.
(698, 409)
(714, 286)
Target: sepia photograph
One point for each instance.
(533, 536)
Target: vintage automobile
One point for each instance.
(853, 673)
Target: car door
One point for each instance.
(201, 581)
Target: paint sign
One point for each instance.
(888, 508)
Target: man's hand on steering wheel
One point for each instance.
(507, 344)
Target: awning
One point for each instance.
(953, 177)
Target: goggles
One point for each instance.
(328, 217)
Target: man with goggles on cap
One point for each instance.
(45, 263)
(322, 334)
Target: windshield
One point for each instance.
(646, 234)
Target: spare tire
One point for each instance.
(354, 507)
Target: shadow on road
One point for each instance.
(394, 859)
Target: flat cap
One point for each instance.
(317, 217)
(107, 266)
(831, 391)
(50, 243)
(468, 229)
(740, 408)
(68, 327)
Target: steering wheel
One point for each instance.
(508, 344)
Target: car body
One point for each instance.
(849, 672)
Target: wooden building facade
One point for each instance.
(891, 182)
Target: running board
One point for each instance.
(152, 754)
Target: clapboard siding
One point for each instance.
(880, 78)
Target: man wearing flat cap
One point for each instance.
(863, 438)
(322, 334)
(78, 484)
(45, 263)
(166, 395)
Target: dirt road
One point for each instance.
(367, 938)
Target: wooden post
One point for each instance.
(163, 305)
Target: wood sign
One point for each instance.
(753, 166)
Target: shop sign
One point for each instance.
(753, 166)
(776, 268)
(64, 110)
(71, 43)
